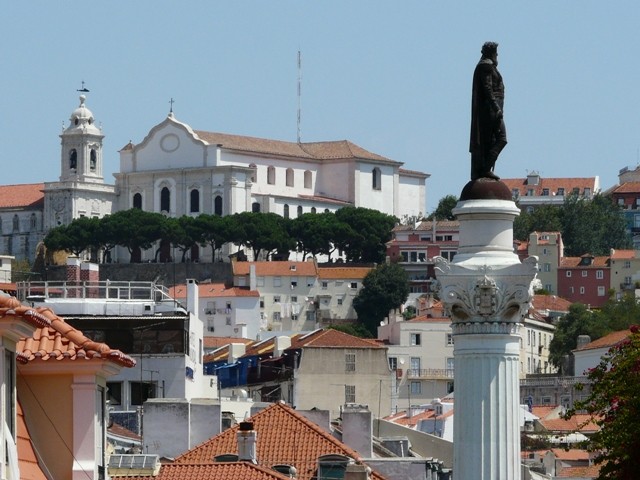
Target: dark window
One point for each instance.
(165, 200)
(137, 201)
(141, 392)
(313, 209)
(217, 205)
(16, 223)
(195, 201)
(114, 393)
(286, 211)
(375, 179)
(73, 159)
(299, 210)
(255, 207)
(93, 160)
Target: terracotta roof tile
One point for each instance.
(413, 173)
(323, 199)
(27, 459)
(332, 338)
(607, 341)
(428, 319)
(120, 431)
(214, 471)
(209, 290)
(551, 302)
(622, 254)
(572, 454)
(552, 184)
(341, 149)
(26, 195)
(574, 262)
(343, 272)
(628, 187)
(402, 418)
(264, 269)
(284, 436)
(586, 471)
(573, 424)
(55, 339)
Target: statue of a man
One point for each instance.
(488, 133)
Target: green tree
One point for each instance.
(261, 232)
(579, 321)
(81, 234)
(592, 226)
(444, 210)
(385, 288)
(314, 233)
(134, 228)
(367, 231)
(183, 233)
(614, 405)
(215, 230)
(545, 218)
(355, 329)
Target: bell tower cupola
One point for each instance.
(81, 153)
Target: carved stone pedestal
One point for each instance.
(487, 290)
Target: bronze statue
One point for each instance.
(488, 133)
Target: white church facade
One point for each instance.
(176, 170)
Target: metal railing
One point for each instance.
(107, 290)
(430, 373)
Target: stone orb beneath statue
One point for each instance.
(485, 189)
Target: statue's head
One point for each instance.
(489, 49)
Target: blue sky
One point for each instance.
(391, 76)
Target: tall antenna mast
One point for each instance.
(299, 90)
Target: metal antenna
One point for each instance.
(299, 91)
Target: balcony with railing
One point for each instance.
(430, 373)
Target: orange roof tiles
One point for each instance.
(216, 342)
(607, 341)
(27, 459)
(586, 471)
(573, 454)
(284, 436)
(332, 338)
(56, 339)
(551, 302)
(627, 187)
(213, 471)
(573, 424)
(340, 149)
(264, 269)
(26, 195)
(208, 290)
(343, 272)
(401, 418)
(552, 184)
(622, 254)
(428, 319)
(574, 262)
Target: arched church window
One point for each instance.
(16, 223)
(165, 200)
(271, 175)
(255, 207)
(289, 178)
(194, 206)
(307, 179)
(286, 211)
(93, 160)
(313, 209)
(33, 221)
(217, 205)
(137, 201)
(375, 179)
(299, 210)
(73, 159)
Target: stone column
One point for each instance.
(487, 291)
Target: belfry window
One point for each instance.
(73, 159)
(93, 160)
(165, 200)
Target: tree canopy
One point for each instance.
(444, 210)
(360, 233)
(385, 288)
(614, 405)
(587, 225)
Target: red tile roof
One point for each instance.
(574, 262)
(283, 269)
(26, 195)
(573, 424)
(628, 187)
(552, 184)
(427, 319)
(208, 290)
(622, 254)
(413, 173)
(213, 471)
(340, 149)
(56, 339)
(343, 272)
(27, 459)
(332, 338)
(572, 454)
(607, 341)
(586, 471)
(284, 436)
(551, 302)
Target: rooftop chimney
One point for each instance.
(247, 437)
(193, 299)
